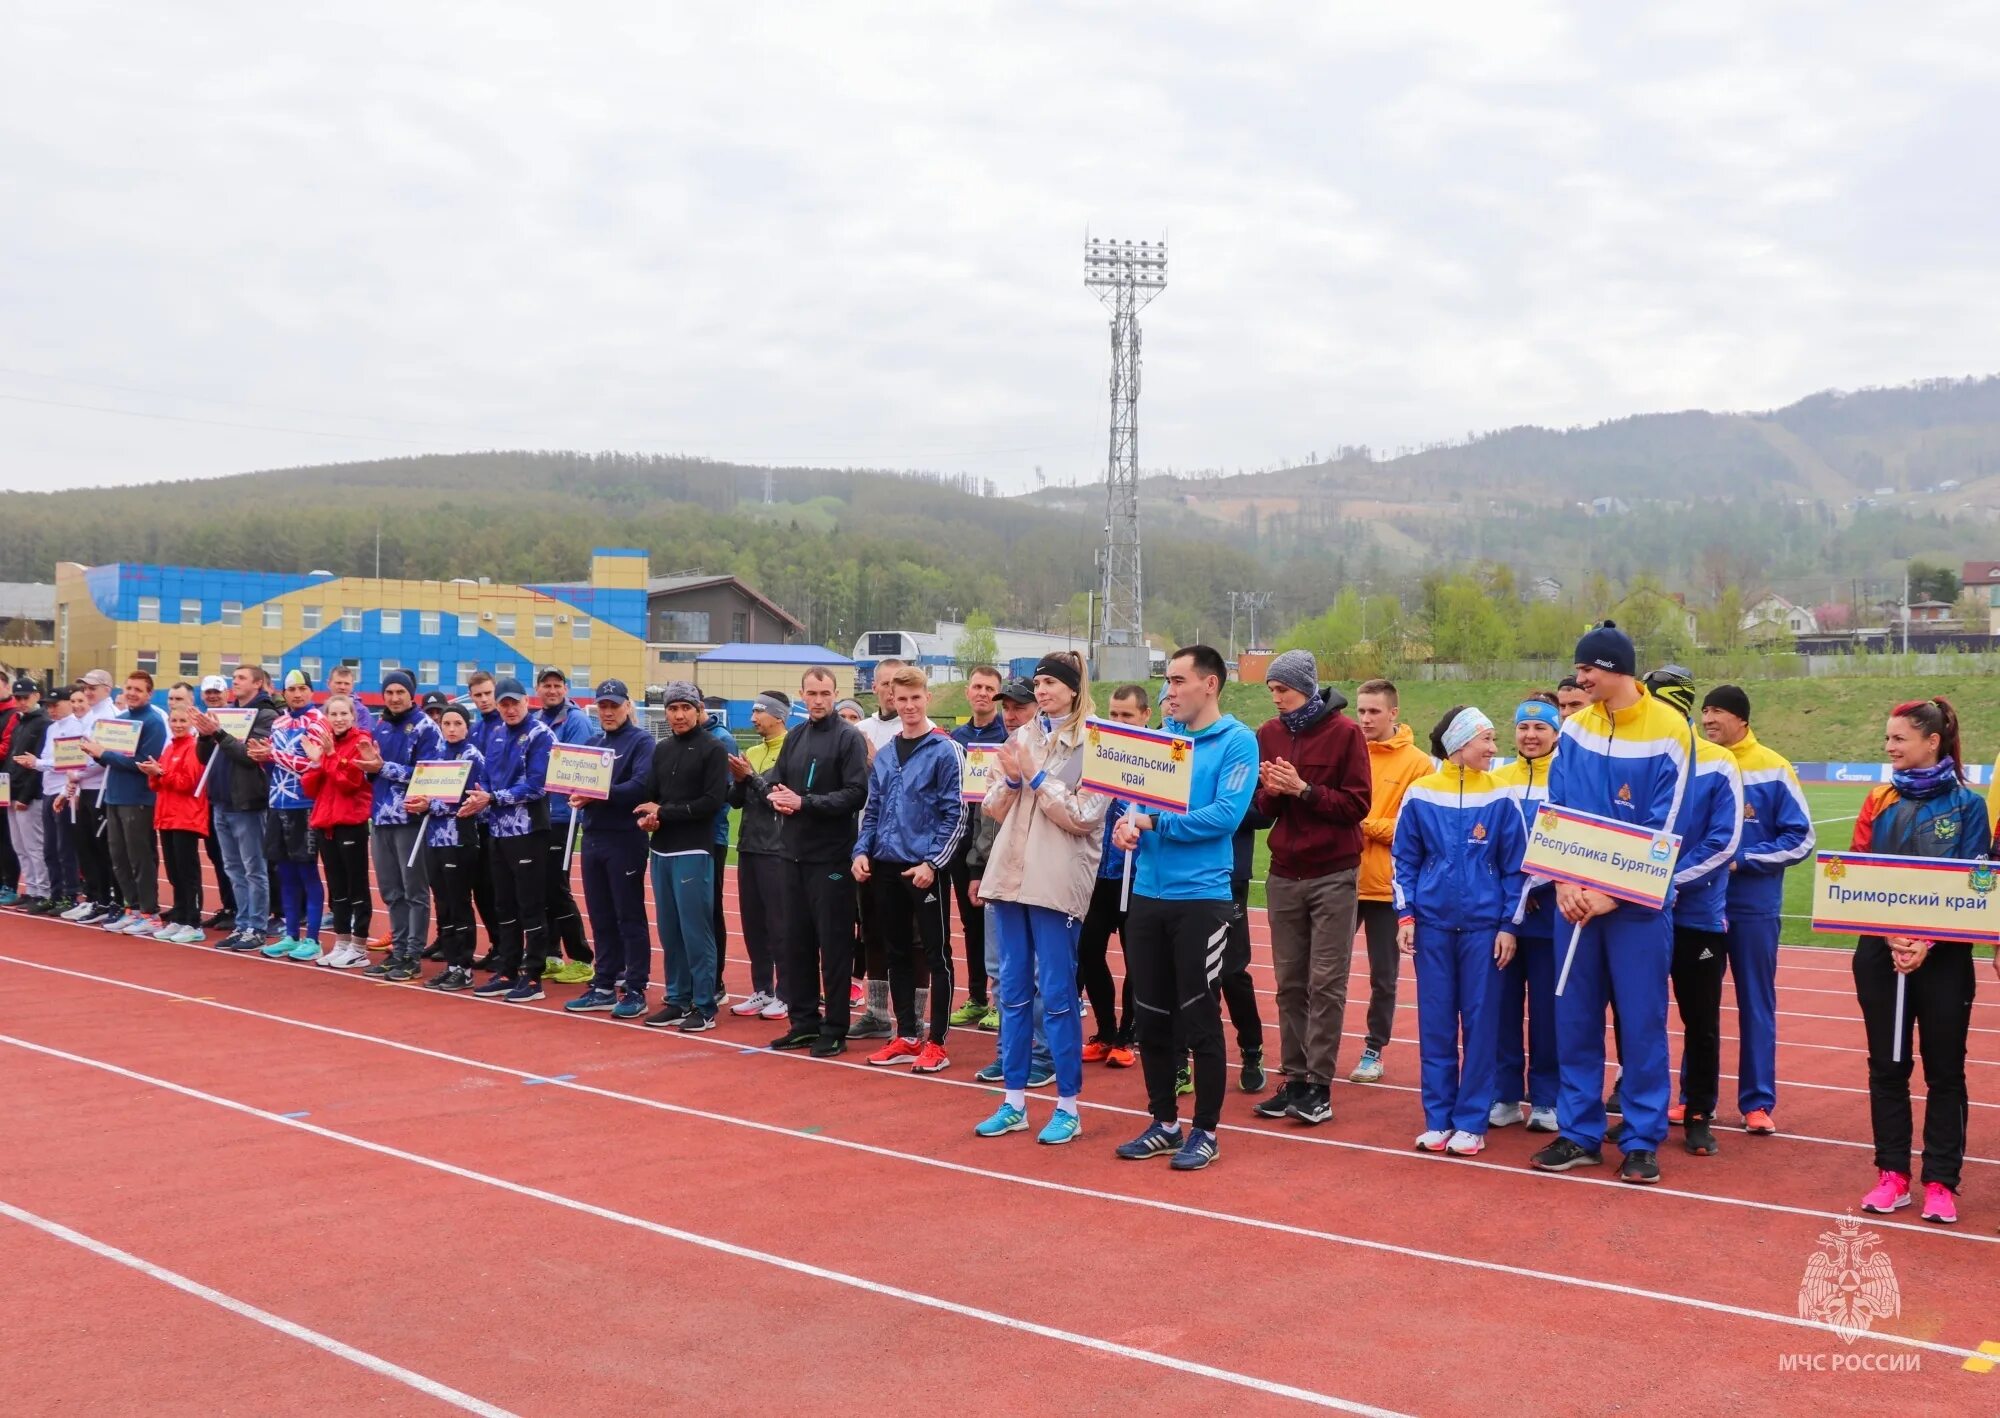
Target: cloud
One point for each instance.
(850, 232)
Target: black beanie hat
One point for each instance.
(1608, 648)
(1060, 667)
(1730, 700)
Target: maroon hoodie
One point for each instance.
(1320, 833)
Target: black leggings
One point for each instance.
(343, 851)
(914, 918)
(93, 848)
(1093, 966)
(453, 874)
(182, 851)
(521, 935)
(1699, 960)
(1937, 1005)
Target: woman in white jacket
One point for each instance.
(1039, 877)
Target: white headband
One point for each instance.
(1464, 729)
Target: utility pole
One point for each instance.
(1125, 276)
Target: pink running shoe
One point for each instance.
(1892, 1193)
(1940, 1205)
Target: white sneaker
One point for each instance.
(1433, 1141)
(115, 923)
(1503, 1115)
(143, 925)
(346, 956)
(1465, 1144)
(776, 1009)
(753, 1005)
(77, 912)
(1543, 1120)
(721, 998)
(190, 935)
(170, 934)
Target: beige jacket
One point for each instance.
(1050, 839)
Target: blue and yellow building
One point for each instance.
(182, 622)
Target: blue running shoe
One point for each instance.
(992, 1073)
(1006, 1118)
(1065, 1126)
(1041, 1077)
(494, 985)
(592, 1001)
(1158, 1140)
(1197, 1152)
(279, 949)
(630, 1005)
(525, 991)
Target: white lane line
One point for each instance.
(1401, 1154)
(786, 1263)
(444, 1393)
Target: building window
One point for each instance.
(190, 612)
(190, 664)
(468, 626)
(274, 617)
(310, 664)
(273, 668)
(427, 672)
(392, 622)
(232, 612)
(545, 627)
(386, 666)
(684, 627)
(739, 625)
(506, 624)
(149, 608)
(466, 669)
(350, 619)
(309, 617)
(149, 661)
(579, 628)
(429, 622)
(230, 663)
(505, 669)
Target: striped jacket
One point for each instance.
(1457, 853)
(1777, 829)
(1631, 766)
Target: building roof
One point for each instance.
(27, 600)
(668, 585)
(1980, 571)
(744, 654)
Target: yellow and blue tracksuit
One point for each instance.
(1710, 822)
(1777, 834)
(1528, 984)
(1630, 765)
(1457, 858)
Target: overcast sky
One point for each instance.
(851, 233)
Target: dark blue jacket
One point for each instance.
(124, 784)
(915, 811)
(517, 771)
(403, 744)
(631, 780)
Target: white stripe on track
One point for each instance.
(786, 1263)
(430, 1387)
(1287, 1137)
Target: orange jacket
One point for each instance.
(1393, 766)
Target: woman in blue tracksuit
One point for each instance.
(1457, 856)
(1527, 987)
(451, 851)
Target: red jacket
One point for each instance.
(339, 789)
(1319, 833)
(175, 807)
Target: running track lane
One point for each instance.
(694, 1066)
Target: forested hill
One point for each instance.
(845, 551)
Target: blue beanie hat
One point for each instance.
(1608, 648)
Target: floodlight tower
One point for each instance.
(1125, 276)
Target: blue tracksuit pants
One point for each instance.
(1753, 964)
(614, 892)
(1456, 993)
(1038, 956)
(1527, 986)
(683, 895)
(1622, 959)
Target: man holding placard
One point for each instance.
(569, 725)
(517, 769)
(402, 739)
(1623, 761)
(1178, 926)
(120, 743)
(27, 823)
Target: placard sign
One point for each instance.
(1149, 767)
(235, 722)
(440, 780)
(979, 765)
(1861, 893)
(1630, 863)
(68, 756)
(116, 735)
(579, 772)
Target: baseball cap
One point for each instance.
(508, 687)
(613, 690)
(24, 685)
(551, 673)
(436, 699)
(216, 683)
(1018, 691)
(100, 678)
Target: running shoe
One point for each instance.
(1312, 1105)
(1158, 1140)
(666, 1016)
(992, 1073)
(493, 986)
(1432, 1140)
(1891, 1193)
(346, 957)
(1197, 1152)
(933, 1059)
(380, 968)
(450, 980)
(856, 996)
(1279, 1104)
(1562, 1155)
(8, 896)
(189, 935)
(630, 1005)
(1183, 1082)
(1063, 1126)
(223, 920)
(1040, 1075)
(525, 991)
(1503, 1115)
(306, 952)
(698, 1021)
(40, 906)
(830, 1046)
(776, 1009)
(241, 942)
(489, 961)
(1616, 1102)
(592, 1001)
(969, 1014)
(573, 972)
(435, 951)
(870, 1025)
(1757, 1122)
(142, 925)
(169, 932)
(1677, 1113)
(1369, 1069)
(282, 947)
(793, 1040)
(1121, 1056)
(380, 943)
(1641, 1167)
(1698, 1139)
(1095, 1050)
(1006, 1118)
(990, 1021)
(1465, 1144)
(896, 1051)
(1940, 1206)
(752, 1004)
(402, 969)
(1252, 1077)
(1543, 1120)
(77, 912)
(97, 915)
(113, 921)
